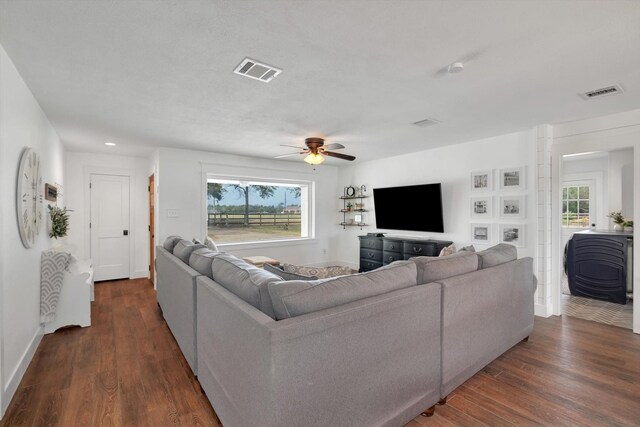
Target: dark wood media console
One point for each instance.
(377, 251)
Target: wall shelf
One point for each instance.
(348, 209)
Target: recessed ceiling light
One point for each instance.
(110, 144)
(456, 67)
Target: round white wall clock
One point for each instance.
(29, 197)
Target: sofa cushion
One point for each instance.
(200, 260)
(246, 281)
(183, 250)
(170, 242)
(285, 275)
(297, 297)
(319, 272)
(210, 243)
(432, 269)
(496, 255)
(448, 250)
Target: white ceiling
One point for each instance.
(159, 73)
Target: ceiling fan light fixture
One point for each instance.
(314, 159)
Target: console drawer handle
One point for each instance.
(390, 258)
(370, 254)
(417, 250)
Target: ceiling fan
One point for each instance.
(316, 150)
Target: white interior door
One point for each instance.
(110, 226)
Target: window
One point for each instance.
(575, 206)
(240, 211)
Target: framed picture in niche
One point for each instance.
(514, 234)
(512, 207)
(481, 234)
(482, 181)
(50, 192)
(481, 207)
(512, 179)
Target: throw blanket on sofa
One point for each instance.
(52, 268)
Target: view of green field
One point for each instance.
(230, 228)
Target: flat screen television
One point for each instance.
(396, 208)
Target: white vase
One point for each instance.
(628, 229)
(617, 227)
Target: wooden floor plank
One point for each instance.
(127, 369)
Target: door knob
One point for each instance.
(125, 232)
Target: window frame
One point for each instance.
(308, 216)
(564, 215)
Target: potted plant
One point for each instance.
(628, 225)
(59, 221)
(618, 220)
(349, 206)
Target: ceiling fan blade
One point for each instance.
(334, 146)
(293, 146)
(339, 155)
(289, 154)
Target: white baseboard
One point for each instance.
(140, 274)
(541, 310)
(18, 373)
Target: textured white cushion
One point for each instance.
(448, 250)
(210, 243)
(319, 272)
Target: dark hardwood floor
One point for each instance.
(126, 369)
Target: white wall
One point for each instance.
(606, 133)
(451, 166)
(621, 181)
(180, 186)
(78, 168)
(22, 123)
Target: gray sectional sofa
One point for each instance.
(371, 349)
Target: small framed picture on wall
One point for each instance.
(514, 234)
(512, 179)
(512, 207)
(482, 181)
(481, 207)
(481, 234)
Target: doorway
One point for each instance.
(109, 226)
(590, 183)
(152, 268)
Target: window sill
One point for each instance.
(267, 244)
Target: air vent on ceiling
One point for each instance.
(426, 122)
(609, 90)
(257, 70)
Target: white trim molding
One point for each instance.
(16, 376)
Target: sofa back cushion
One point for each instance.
(246, 281)
(200, 260)
(170, 242)
(496, 255)
(285, 275)
(183, 249)
(432, 269)
(298, 297)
